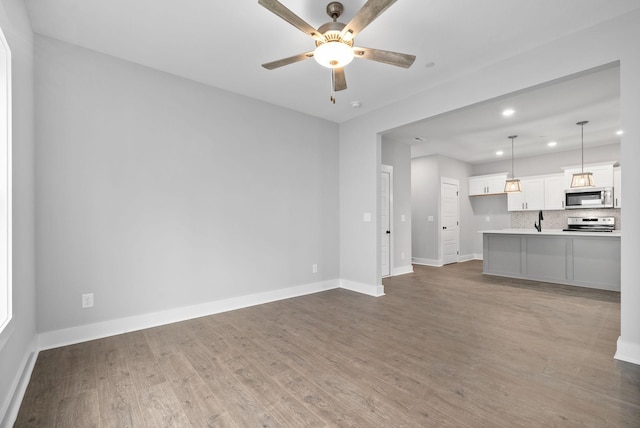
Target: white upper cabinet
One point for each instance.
(492, 184)
(531, 198)
(554, 192)
(602, 174)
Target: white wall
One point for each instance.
(607, 43)
(551, 163)
(155, 192)
(19, 337)
(398, 155)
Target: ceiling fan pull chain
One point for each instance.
(332, 97)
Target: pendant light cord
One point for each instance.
(582, 144)
(513, 170)
(582, 124)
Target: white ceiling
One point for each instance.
(542, 114)
(223, 43)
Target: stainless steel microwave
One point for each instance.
(588, 197)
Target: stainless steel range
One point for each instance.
(590, 224)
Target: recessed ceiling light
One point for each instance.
(552, 144)
(620, 132)
(418, 139)
(499, 153)
(508, 112)
(356, 104)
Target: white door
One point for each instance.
(385, 220)
(449, 215)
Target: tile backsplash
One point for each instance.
(558, 219)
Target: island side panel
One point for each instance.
(596, 262)
(546, 258)
(587, 261)
(502, 255)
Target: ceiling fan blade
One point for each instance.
(286, 61)
(387, 57)
(279, 9)
(365, 16)
(339, 80)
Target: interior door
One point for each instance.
(385, 220)
(450, 221)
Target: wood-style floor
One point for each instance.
(446, 347)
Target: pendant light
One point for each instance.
(512, 185)
(582, 179)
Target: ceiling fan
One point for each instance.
(334, 40)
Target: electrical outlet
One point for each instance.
(402, 256)
(87, 301)
(314, 268)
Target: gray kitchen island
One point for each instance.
(586, 259)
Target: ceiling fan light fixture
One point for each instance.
(333, 54)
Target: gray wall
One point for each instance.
(425, 199)
(426, 173)
(398, 155)
(489, 213)
(19, 338)
(155, 192)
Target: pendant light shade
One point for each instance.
(582, 179)
(512, 185)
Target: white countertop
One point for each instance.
(552, 232)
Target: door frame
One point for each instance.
(452, 181)
(389, 170)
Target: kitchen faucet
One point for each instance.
(538, 225)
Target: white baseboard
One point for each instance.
(466, 258)
(478, 256)
(359, 287)
(402, 270)
(627, 351)
(427, 262)
(83, 333)
(11, 405)
(69, 336)
(439, 263)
